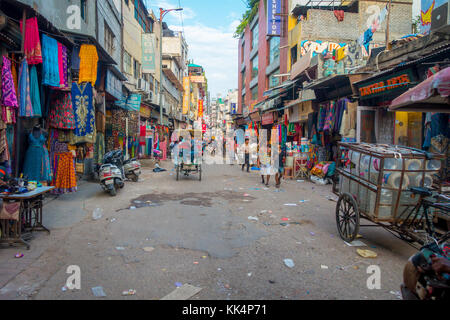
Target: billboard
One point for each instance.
(186, 95)
(274, 20)
(198, 79)
(200, 108)
(148, 53)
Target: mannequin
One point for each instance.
(37, 161)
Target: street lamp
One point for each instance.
(162, 14)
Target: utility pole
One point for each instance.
(388, 47)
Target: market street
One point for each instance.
(159, 233)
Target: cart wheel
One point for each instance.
(347, 217)
(178, 173)
(199, 173)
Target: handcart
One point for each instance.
(189, 158)
(390, 186)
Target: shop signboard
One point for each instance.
(200, 108)
(186, 95)
(255, 117)
(113, 85)
(148, 53)
(386, 84)
(267, 118)
(145, 111)
(134, 102)
(233, 108)
(197, 79)
(274, 17)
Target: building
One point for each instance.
(199, 89)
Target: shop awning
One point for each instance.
(171, 76)
(432, 95)
(335, 86)
(276, 90)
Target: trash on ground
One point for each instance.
(366, 253)
(227, 286)
(178, 284)
(355, 243)
(113, 219)
(120, 248)
(312, 233)
(332, 198)
(182, 293)
(266, 223)
(300, 180)
(253, 218)
(303, 201)
(289, 263)
(130, 292)
(204, 257)
(132, 208)
(284, 224)
(64, 289)
(97, 214)
(98, 292)
(246, 195)
(271, 281)
(148, 249)
(195, 262)
(358, 236)
(249, 274)
(219, 269)
(290, 204)
(323, 267)
(285, 219)
(19, 255)
(263, 211)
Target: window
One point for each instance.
(293, 55)
(127, 63)
(255, 93)
(83, 8)
(255, 35)
(243, 79)
(242, 52)
(274, 49)
(272, 80)
(109, 40)
(136, 9)
(137, 70)
(255, 67)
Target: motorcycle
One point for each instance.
(111, 172)
(132, 169)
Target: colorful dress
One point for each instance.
(25, 107)
(37, 161)
(50, 63)
(88, 63)
(61, 114)
(9, 97)
(34, 93)
(65, 180)
(32, 43)
(82, 101)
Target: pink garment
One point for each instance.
(163, 147)
(61, 65)
(32, 42)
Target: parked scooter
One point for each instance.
(111, 172)
(132, 169)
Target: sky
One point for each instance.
(208, 27)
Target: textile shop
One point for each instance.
(153, 138)
(48, 101)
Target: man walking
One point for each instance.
(281, 159)
(247, 155)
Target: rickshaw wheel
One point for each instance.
(178, 172)
(347, 217)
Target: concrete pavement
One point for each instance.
(201, 234)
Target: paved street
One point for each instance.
(199, 233)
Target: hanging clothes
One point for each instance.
(62, 63)
(37, 161)
(65, 180)
(9, 97)
(82, 101)
(61, 115)
(25, 106)
(88, 64)
(50, 62)
(34, 93)
(32, 43)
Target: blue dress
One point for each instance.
(37, 161)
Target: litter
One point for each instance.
(98, 292)
(300, 180)
(246, 195)
(253, 218)
(219, 269)
(312, 233)
(289, 263)
(97, 214)
(132, 208)
(249, 274)
(285, 219)
(255, 189)
(178, 284)
(356, 243)
(204, 257)
(148, 249)
(266, 223)
(130, 292)
(284, 224)
(64, 289)
(19, 255)
(264, 211)
(366, 253)
(323, 267)
(290, 204)
(182, 293)
(271, 281)
(303, 201)
(120, 248)
(227, 286)
(332, 198)
(195, 262)
(113, 219)
(245, 200)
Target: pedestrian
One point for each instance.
(281, 159)
(247, 155)
(264, 164)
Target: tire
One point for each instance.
(347, 217)
(134, 177)
(113, 192)
(178, 173)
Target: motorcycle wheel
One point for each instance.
(113, 192)
(134, 177)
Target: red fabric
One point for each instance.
(32, 43)
(339, 14)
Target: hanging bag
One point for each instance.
(10, 211)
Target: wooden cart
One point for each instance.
(391, 187)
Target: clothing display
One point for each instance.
(9, 97)
(50, 62)
(37, 161)
(25, 107)
(62, 63)
(34, 93)
(88, 64)
(61, 115)
(32, 43)
(65, 180)
(83, 107)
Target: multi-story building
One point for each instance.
(199, 89)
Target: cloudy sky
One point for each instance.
(208, 26)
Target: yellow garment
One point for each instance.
(340, 54)
(88, 64)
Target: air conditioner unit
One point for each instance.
(143, 85)
(440, 17)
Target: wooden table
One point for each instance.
(30, 217)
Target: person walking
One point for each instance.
(247, 155)
(281, 159)
(265, 166)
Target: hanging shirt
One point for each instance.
(88, 63)
(25, 107)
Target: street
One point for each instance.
(227, 234)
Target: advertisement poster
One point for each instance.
(186, 95)
(148, 53)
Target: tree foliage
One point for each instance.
(247, 17)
